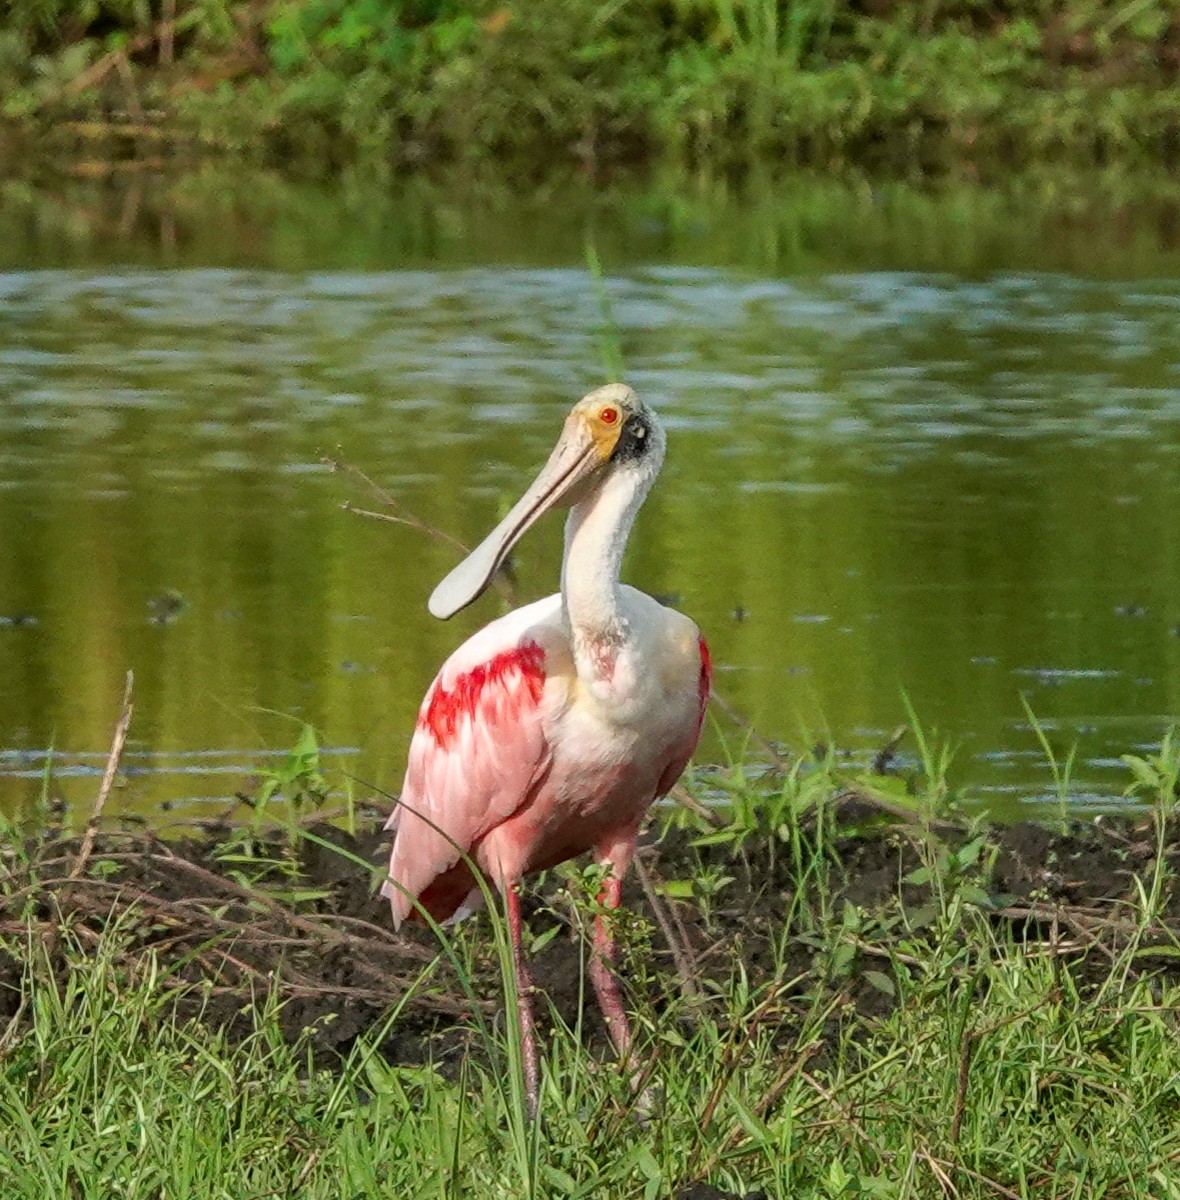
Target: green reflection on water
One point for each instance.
(920, 439)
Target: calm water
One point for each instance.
(921, 441)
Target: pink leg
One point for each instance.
(524, 1000)
(602, 974)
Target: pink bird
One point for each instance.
(552, 730)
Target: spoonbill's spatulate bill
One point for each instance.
(552, 730)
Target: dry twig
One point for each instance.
(682, 796)
(108, 779)
(681, 951)
(400, 515)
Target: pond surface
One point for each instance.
(924, 444)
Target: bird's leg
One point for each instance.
(602, 972)
(524, 1000)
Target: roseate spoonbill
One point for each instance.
(551, 731)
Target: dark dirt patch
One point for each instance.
(220, 911)
(706, 1191)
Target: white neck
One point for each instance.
(595, 539)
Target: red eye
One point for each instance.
(609, 416)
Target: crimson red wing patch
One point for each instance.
(483, 687)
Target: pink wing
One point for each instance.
(478, 751)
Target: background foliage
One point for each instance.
(818, 78)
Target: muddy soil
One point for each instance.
(706, 1191)
(242, 915)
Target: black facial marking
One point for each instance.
(633, 439)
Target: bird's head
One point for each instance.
(607, 431)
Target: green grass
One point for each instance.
(706, 79)
(916, 1047)
(993, 1074)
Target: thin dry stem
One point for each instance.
(400, 515)
(108, 779)
(682, 956)
(685, 799)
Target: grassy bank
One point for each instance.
(841, 991)
(326, 80)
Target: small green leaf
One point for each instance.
(543, 939)
(970, 852)
(721, 838)
(842, 956)
(923, 915)
(1158, 952)
(677, 889)
(565, 1184)
(976, 895)
(838, 1177)
(881, 982)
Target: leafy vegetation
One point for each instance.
(815, 1034)
(722, 78)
